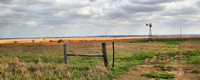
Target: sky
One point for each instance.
(65, 18)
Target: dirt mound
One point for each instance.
(164, 57)
(173, 70)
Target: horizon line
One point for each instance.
(168, 35)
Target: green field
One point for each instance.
(45, 60)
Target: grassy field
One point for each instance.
(134, 58)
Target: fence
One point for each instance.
(52, 52)
(104, 55)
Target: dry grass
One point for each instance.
(46, 40)
(13, 69)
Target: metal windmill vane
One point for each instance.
(150, 25)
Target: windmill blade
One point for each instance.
(150, 24)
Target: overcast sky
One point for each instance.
(63, 18)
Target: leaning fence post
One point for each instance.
(65, 53)
(105, 55)
(113, 44)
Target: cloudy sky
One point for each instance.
(63, 18)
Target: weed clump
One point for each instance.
(196, 71)
(173, 54)
(192, 57)
(144, 56)
(159, 74)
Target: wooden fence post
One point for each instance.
(113, 44)
(105, 55)
(65, 53)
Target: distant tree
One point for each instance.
(59, 41)
(50, 40)
(33, 41)
(15, 42)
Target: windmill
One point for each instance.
(150, 33)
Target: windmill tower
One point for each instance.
(150, 33)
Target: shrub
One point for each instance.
(15, 42)
(59, 41)
(52, 41)
(33, 41)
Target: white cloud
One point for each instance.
(84, 11)
(101, 16)
(31, 23)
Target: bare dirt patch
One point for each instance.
(181, 72)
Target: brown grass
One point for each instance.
(44, 40)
